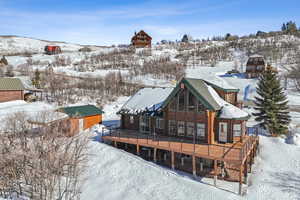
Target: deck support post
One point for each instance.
(149, 153)
(201, 166)
(165, 156)
(182, 160)
(246, 171)
(115, 144)
(126, 146)
(137, 149)
(215, 173)
(154, 155)
(240, 181)
(194, 166)
(173, 159)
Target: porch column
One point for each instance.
(138, 149)
(194, 166)
(246, 171)
(215, 173)
(154, 154)
(201, 166)
(173, 159)
(210, 127)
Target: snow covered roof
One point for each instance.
(146, 99)
(47, 116)
(228, 111)
(220, 83)
(27, 83)
(256, 56)
(31, 110)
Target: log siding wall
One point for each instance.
(11, 95)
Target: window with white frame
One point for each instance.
(200, 130)
(172, 127)
(190, 129)
(180, 128)
(159, 124)
(131, 119)
(237, 130)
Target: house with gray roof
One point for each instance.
(14, 89)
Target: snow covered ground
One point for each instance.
(115, 174)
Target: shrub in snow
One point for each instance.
(294, 136)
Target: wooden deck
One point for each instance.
(235, 153)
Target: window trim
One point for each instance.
(235, 131)
(202, 128)
(190, 126)
(172, 128)
(181, 128)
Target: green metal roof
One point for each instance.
(82, 111)
(11, 84)
(199, 89)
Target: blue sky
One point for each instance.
(114, 21)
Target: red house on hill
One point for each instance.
(141, 40)
(50, 50)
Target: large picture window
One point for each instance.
(237, 130)
(173, 104)
(200, 107)
(172, 127)
(190, 129)
(191, 102)
(144, 124)
(159, 124)
(181, 101)
(180, 128)
(200, 130)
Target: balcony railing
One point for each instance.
(233, 152)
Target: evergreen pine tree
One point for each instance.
(37, 79)
(283, 28)
(271, 104)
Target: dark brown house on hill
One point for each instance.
(141, 40)
(196, 127)
(255, 66)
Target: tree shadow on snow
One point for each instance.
(286, 182)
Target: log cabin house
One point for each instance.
(256, 65)
(197, 124)
(141, 40)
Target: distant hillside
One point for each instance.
(16, 45)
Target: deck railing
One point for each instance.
(235, 152)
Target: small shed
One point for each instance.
(82, 117)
